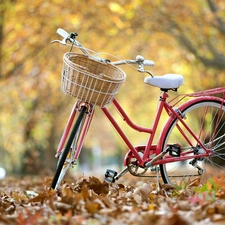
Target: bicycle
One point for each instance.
(190, 147)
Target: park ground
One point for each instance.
(92, 201)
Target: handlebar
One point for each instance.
(140, 60)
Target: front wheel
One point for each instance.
(206, 118)
(66, 157)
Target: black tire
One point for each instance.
(74, 133)
(206, 118)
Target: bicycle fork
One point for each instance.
(77, 107)
(72, 139)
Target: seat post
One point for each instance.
(164, 95)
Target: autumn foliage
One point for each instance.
(92, 201)
(181, 38)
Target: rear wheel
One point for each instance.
(206, 118)
(66, 158)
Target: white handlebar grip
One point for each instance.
(62, 33)
(149, 63)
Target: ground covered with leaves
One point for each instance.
(90, 200)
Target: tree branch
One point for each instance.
(220, 23)
(217, 59)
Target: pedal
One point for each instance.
(110, 176)
(174, 150)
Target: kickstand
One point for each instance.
(157, 178)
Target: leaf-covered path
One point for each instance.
(92, 201)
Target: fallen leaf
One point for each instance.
(92, 207)
(142, 193)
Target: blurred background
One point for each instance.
(180, 37)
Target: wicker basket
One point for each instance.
(89, 80)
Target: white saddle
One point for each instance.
(167, 81)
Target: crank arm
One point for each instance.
(123, 172)
(159, 156)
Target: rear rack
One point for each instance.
(218, 92)
(209, 92)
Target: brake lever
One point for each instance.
(63, 42)
(141, 70)
(141, 62)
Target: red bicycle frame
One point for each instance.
(150, 148)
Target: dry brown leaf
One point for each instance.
(64, 207)
(220, 208)
(92, 207)
(173, 219)
(210, 210)
(98, 186)
(183, 205)
(142, 193)
(108, 202)
(11, 209)
(67, 195)
(78, 197)
(85, 192)
(218, 219)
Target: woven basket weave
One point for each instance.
(90, 81)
